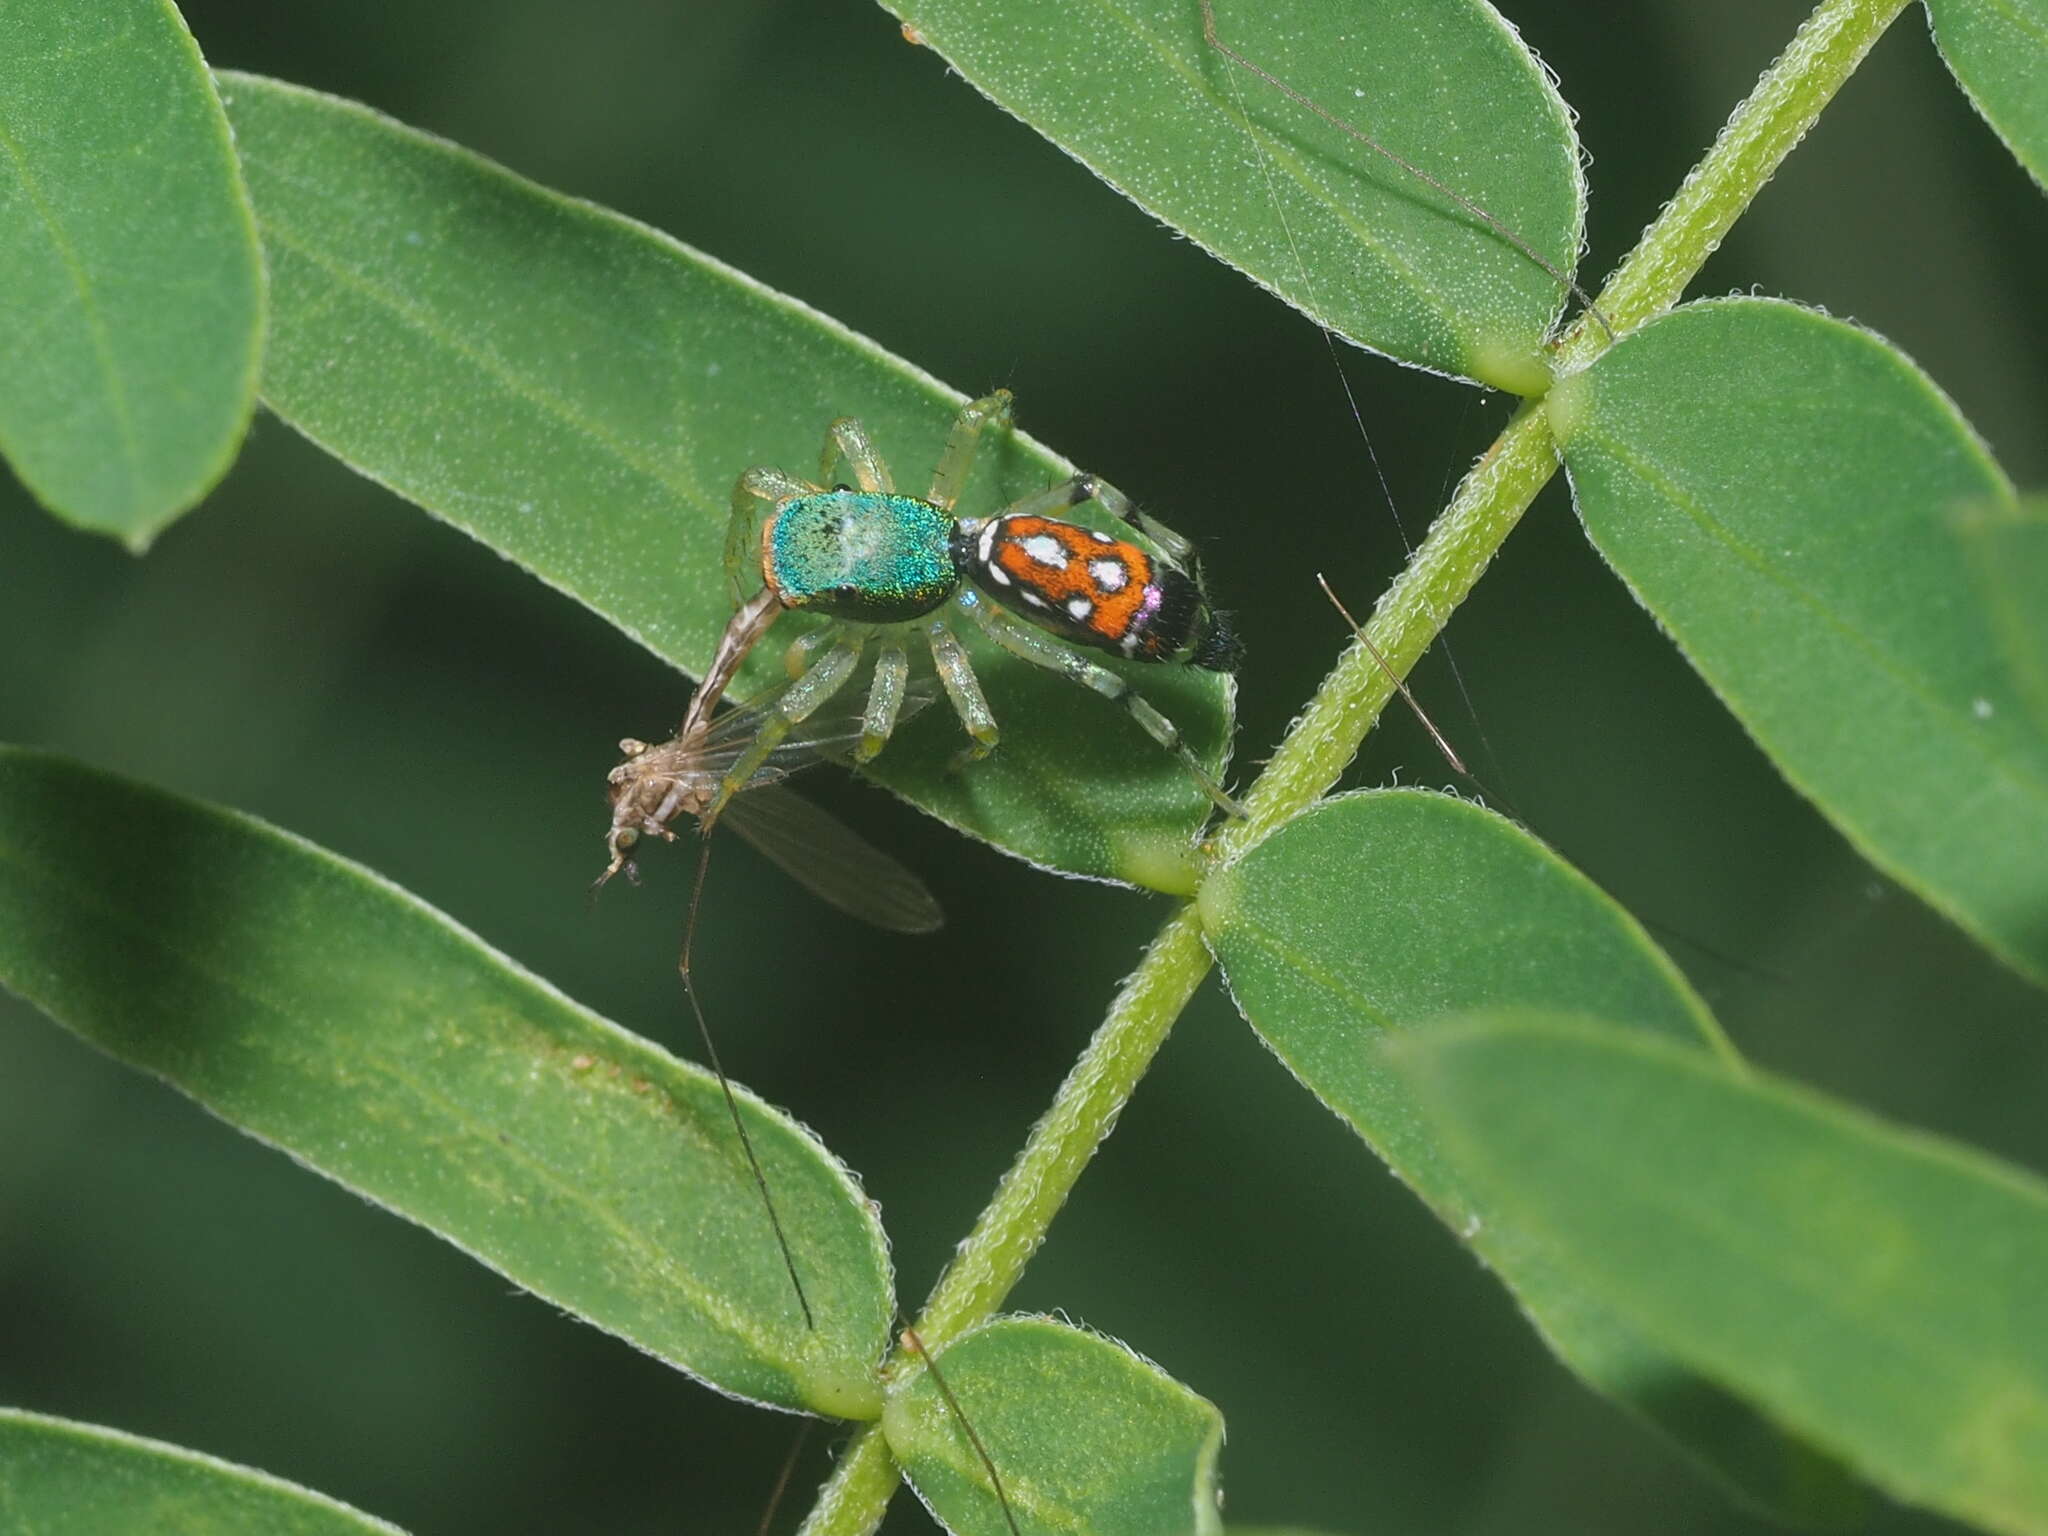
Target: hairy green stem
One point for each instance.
(1413, 611)
(1767, 127)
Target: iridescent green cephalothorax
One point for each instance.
(876, 557)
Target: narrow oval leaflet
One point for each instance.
(309, 1002)
(1383, 912)
(131, 317)
(2006, 546)
(1869, 1286)
(1088, 1438)
(1998, 50)
(1356, 242)
(1782, 491)
(581, 393)
(59, 1477)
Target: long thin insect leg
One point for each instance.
(1329, 340)
(1664, 930)
(1457, 763)
(953, 1404)
(796, 1450)
(732, 1103)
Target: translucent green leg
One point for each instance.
(963, 688)
(847, 438)
(951, 474)
(826, 677)
(885, 700)
(1118, 506)
(758, 489)
(1054, 499)
(1027, 644)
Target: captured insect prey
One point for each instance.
(656, 783)
(885, 567)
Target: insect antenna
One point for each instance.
(988, 1465)
(1209, 32)
(1661, 929)
(1563, 279)
(725, 1084)
(782, 1478)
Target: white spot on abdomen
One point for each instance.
(1045, 549)
(1080, 608)
(1109, 575)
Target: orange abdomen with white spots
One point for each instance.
(1094, 589)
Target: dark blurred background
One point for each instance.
(308, 648)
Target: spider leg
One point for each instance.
(825, 677)
(1118, 505)
(962, 687)
(1027, 644)
(951, 472)
(847, 438)
(757, 489)
(885, 700)
(1054, 499)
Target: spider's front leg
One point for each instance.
(846, 438)
(759, 491)
(754, 498)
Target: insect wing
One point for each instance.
(832, 861)
(828, 734)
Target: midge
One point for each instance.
(659, 782)
(889, 567)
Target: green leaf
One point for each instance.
(1877, 1289)
(1088, 1438)
(1387, 911)
(2006, 544)
(62, 1478)
(1355, 241)
(131, 316)
(580, 393)
(1779, 489)
(316, 1006)
(1998, 50)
